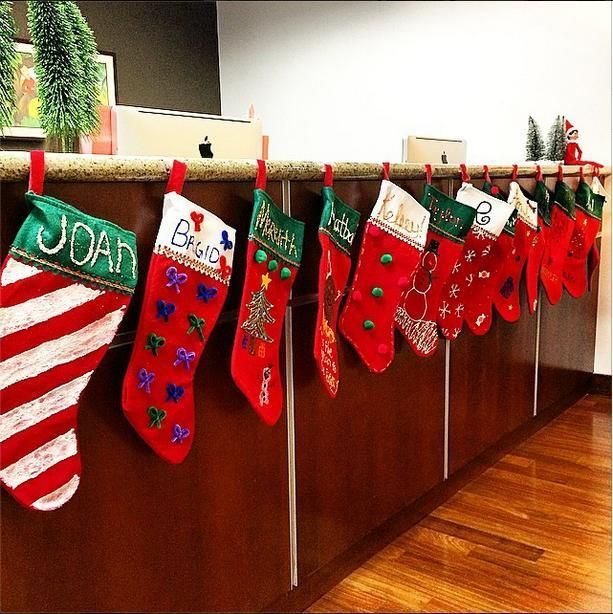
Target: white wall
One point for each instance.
(346, 80)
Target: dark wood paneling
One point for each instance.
(491, 381)
(365, 455)
(567, 340)
(140, 534)
(566, 354)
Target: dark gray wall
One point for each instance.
(166, 52)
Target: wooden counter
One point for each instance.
(262, 517)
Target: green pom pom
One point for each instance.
(260, 256)
(368, 324)
(273, 265)
(285, 273)
(377, 292)
(386, 258)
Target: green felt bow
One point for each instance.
(154, 342)
(196, 324)
(156, 415)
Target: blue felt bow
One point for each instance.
(174, 393)
(164, 310)
(205, 293)
(225, 241)
(179, 434)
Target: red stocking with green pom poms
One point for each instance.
(337, 230)
(394, 237)
(273, 257)
(186, 288)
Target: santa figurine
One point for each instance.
(573, 152)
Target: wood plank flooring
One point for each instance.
(531, 534)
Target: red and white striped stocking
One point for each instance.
(65, 286)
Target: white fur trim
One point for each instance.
(399, 214)
(492, 213)
(178, 234)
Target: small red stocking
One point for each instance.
(416, 315)
(593, 259)
(506, 287)
(588, 218)
(543, 197)
(337, 229)
(186, 288)
(394, 237)
(273, 257)
(558, 239)
(467, 295)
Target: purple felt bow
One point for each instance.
(145, 379)
(174, 278)
(179, 434)
(164, 309)
(185, 357)
(174, 393)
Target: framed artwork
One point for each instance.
(26, 122)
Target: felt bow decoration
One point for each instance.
(156, 416)
(164, 310)
(196, 324)
(225, 241)
(145, 379)
(225, 269)
(175, 279)
(179, 434)
(174, 393)
(205, 293)
(185, 357)
(154, 342)
(197, 218)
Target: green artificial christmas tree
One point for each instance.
(63, 47)
(8, 64)
(87, 53)
(556, 140)
(535, 147)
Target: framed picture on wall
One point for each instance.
(26, 122)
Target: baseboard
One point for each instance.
(325, 578)
(601, 384)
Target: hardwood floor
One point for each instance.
(531, 534)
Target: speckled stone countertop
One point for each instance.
(14, 166)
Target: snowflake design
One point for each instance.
(469, 279)
(444, 310)
(456, 267)
(479, 232)
(480, 319)
(484, 274)
(454, 291)
(456, 332)
(445, 332)
(486, 250)
(459, 309)
(470, 255)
